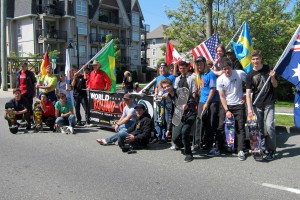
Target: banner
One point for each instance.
(107, 108)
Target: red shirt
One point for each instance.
(23, 86)
(48, 110)
(98, 80)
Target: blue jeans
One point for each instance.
(113, 138)
(265, 118)
(69, 121)
(161, 131)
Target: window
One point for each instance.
(94, 51)
(154, 41)
(81, 7)
(153, 52)
(19, 30)
(135, 19)
(135, 36)
(82, 51)
(154, 62)
(134, 54)
(20, 50)
(82, 28)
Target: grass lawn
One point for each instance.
(284, 104)
(284, 120)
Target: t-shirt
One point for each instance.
(79, 87)
(232, 86)
(49, 80)
(61, 87)
(23, 85)
(127, 111)
(20, 105)
(255, 81)
(49, 110)
(162, 77)
(207, 82)
(63, 109)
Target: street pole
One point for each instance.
(3, 45)
(77, 46)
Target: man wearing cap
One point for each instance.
(208, 106)
(137, 135)
(236, 65)
(98, 79)
(127, 119)
(25, 81)
(48, 84)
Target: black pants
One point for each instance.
(49, 121)
(25, 116)
(181, 133)
(83, 100)
(30, 102)
(238, 112)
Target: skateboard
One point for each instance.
(10, 116)
(229, 133)
(255, 140)
(37, 117)
(160, 110)
(182, 98)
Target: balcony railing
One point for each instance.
(125, 60)
(109, 19)
(51, 34)
(100, 38)
(51, 9)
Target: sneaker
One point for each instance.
(188, 158)
(173, 148)
(79, 123)
(62, 130)
(241, 155)
(270, 156)
(72, 130)
(213, 152)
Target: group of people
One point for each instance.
(57, 97)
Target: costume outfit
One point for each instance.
(233, 89)
(98, 80)
(264, 108)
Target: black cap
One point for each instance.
(201, 59)
(229, 51)
(163, 64)
(142, 106)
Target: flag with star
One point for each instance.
(289, 62)
(107, 60)
(297, 108)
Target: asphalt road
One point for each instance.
(57, 166)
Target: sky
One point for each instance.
(154, 11)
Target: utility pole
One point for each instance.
(3, 45)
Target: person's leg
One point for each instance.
(71, 120)
(220, 137)
(49, 121)
(59, 121)
(259, 111)
(238, 111)
(77, 108)
(176, 135)
(270, 128)
(185, 133)
(27, 118)
(121, 139)
(86, 108)
(198, 137)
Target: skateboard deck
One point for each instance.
(160, 110)
(229, 133)
(13, 127)
(182, 98)
(255, 139)
(37, 116)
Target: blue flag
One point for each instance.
(289, 63)
(297, 109)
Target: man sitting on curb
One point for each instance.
(138, 135)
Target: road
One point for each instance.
(56, 166)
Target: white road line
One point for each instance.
(293, 190)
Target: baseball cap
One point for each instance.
(127, 96)
(200, 59)
(142, 106)
(229, 51)
(163, 64)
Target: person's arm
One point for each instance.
(21, 112)
(224, 103)
(273, 78)
(146, 128)
(249, 103)
(175, 69)
(210, 97)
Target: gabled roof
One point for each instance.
(132, 5)
(158, 32)
(93, 6)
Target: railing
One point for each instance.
(125, 60)
(112, 19)
(51, 9)
(100, 38)
(51, 34)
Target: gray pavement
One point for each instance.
(50, 165)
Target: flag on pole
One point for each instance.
(207, 48)
(289, 66)
(68, 76)
(44, 64)
(106, 56)
(172, 54)
(297, 109)
(243, 47)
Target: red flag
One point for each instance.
(44, 64)
(172, 54)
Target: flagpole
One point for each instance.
(95, 56)
(277, 64)
(235, 35)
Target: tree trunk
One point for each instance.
(209, 18)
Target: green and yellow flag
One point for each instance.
(107, 60)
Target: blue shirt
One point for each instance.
(162, 77)
(207, 82)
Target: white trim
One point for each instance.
(24, 16)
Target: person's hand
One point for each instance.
(84, 67)
(37, 86)
(185, 106)
(129, 138)
(272, 73)
(168, 134)
(228, 114)
(55, 126)
(76, 74)
(205, 107)
(116, 127)
(250, 113)
(16, 112)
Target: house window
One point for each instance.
(20, 50)
(154, 62)
(19, 30)
(82, 51)
(82, 28)
(94, 51)
(134, 54)
(81, 7)
(135, 36)
(153, 52)
(135, 19)
(154, 41)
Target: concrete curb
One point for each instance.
(287, 129)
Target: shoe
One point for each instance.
(241, 155)
(173, 148)
(72, 130)
(213, 152)
(62, 130)
(162, 142)
(79, 123)
(155, 140)
(270, 156)
(188, 158)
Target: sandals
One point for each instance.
(102, 141)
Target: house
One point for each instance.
(36, 26)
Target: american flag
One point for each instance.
(207, 48)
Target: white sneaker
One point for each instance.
(71, 129)
(62, 130)
(241, 155)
